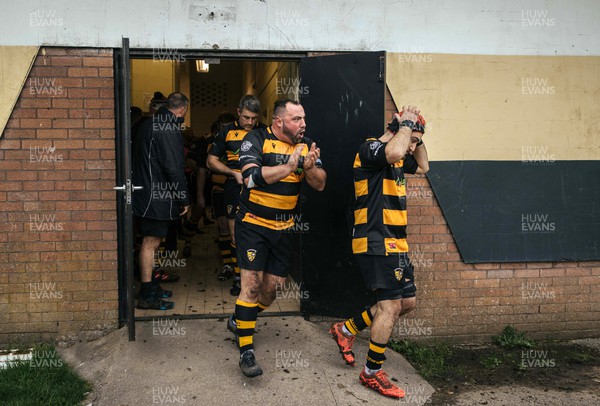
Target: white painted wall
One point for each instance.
(513, 27)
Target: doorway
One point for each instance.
(344, 99)
(214, 86)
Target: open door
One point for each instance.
(124, 188)
(344, 100)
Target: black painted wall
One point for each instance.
(507, 211)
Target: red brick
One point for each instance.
(98, 82)
(20, 196)
(100, 205)
(99, 144)
(52, 51)
(10, 144)
(65, 61)
(85, 154)
(53, 175)
(527, 273)
(107, 133)
(83, 93)
(84, 113)
(434, 229)
(99, 123)
(99, 61)
(86, 195)
(88, 174)
(36, 123)
(73, 165)
(106, 93)
(70, 206)
(100, 165)
(107, 113)
(70, 185)
(84, 133)
(24, 113)
(54, 195)
(506, 273)
(105, 72)
(487, 266)
(70, 103)
(18, 134)
(52, 134)
(99, 104)
(589, 280)
(578, 272)
(82, 51)
(45, 72)
(539, 265)
(21, 175)
(20, 154)
(13, 123)
(34, 103)
(52, 113)
(80, 72)
(98, 184)
(39, 186)
(67, 123)
(486, 283)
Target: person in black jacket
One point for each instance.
(158, 166)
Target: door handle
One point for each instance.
(128, 188)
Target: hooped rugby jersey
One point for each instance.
(380, 201)
(272, 206)
(227, 144)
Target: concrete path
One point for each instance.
(195, 362)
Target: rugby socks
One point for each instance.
(225, 249)
(245, 320)
(375, 357)
(236, 268)
(358, 323)
(260, 307)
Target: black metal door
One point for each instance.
(344, 100)
(124, 187)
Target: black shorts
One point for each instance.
(263, 249)
(392, 272)
(152, 228)
(232, 198)
(218, 202)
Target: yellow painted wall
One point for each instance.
(481, 107)
(15, 64)
(149, 76)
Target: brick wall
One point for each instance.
(470, 302)
(58, 249)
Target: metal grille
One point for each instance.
(210, 94)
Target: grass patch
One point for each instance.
(46, 379)
(511, 338)
(429, 361)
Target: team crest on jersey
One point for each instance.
(235, 134)
(246, 145)
(229, 208)
(251, 253)
(398, 273)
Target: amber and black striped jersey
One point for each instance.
(272, 206)
(227, 143)
(380, 200)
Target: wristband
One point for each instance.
(419, 143)
(408, 123)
